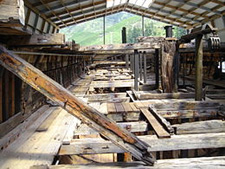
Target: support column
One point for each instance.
(132, 63)
(104, 30)
(184, 69)
(157, 68)
(145, 67)
(198, 66)
(143, 26)
(124, 35)
(127, 61)
(140, 67)
(136, 70)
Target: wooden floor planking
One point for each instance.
(37, 147)
(158, 128)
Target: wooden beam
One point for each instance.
(181, 163)
(75, 106)
(199, 67)
(146, 96)
(118, 47)
(158, 128)
(140, 126)
(12, 13)
(38, 39)
(1, 93)
(198, 127)
(176, 142)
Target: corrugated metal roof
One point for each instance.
(184, 13)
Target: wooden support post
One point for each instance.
(140, 61)
(1, 93)
(157, 68)
(143, 25)
(124, 35)
(145, 67)
(198, 66)
(184, 69)
(132, 63)
(75, 106)
(104, 30)
(127, 61)
(136, 70)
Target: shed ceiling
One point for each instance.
(183, 13)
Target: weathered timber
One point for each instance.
(38, 40)
(146, 96)
(166, 125)
(186, 105)
(46, 124)
(186, 114)
(136, 70)
(75, 106)
(16, 121)
(110, 84)
(210, 126)
(118, 47)
(12, 13)
(181, 163)
(199, 67)
(176, 142)
(139, 126)
(158, 128)
(167, 67)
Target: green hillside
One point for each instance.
(91, 32)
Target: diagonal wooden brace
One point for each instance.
(73, 105)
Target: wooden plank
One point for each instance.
(146, 96)
(176, 142)
(116, 47)
(38, 39)
(46, 124)
(16, 121)
(127, 107)
(139, 126)
(210, 126)
(111, 108)
(119, 108)
(132, 105)
(12, 13)
(181, 163)
(182, 114)
(75, 106)
(166, 125)
(37, 147)
(1, 93)
(160, 131)
(186, 105)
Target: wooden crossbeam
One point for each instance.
(75, 106)
(181, 163)
(176, 142)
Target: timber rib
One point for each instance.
(93, 118)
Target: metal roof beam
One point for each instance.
(171, 13)
(198, 6)
(36, 4)
(58, 7)
(93, 15)
(84, 7)
(79, 13)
